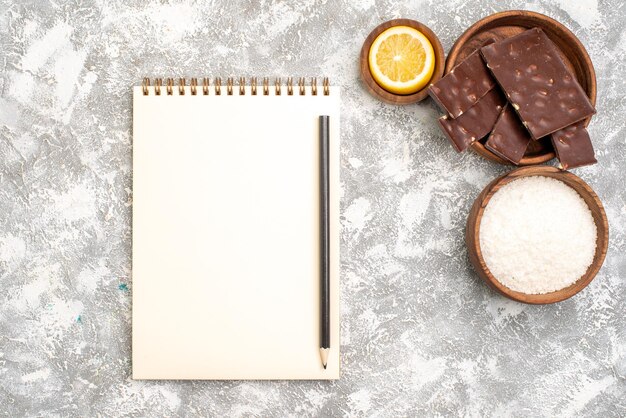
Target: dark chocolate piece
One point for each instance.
(541, 89)
(509, 139)
(475, 123)
(573, 146)
(462, 87)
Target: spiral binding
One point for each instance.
(230, 86)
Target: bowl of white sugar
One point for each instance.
(537, 234)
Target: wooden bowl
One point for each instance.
(506, 24)
(378, 91)
(473, 233)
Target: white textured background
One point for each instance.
(421, 334)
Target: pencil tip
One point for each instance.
(324, 356)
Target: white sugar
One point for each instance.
(537, 235)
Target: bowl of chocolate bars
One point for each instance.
(519, 88)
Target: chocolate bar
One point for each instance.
(573, 146)
(462, 87)
(508, 139)
(541, 89)
(475, 123)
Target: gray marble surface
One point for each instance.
(421, 335)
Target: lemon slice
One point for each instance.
(402, 60)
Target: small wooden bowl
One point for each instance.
(506, 24)
(378, 91)
(473, 233)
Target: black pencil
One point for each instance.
(324, 134)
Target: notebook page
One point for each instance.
(226, 236)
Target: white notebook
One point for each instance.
(226, 232)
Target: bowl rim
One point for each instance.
(473, 234)
(399, 99)
(491, 20)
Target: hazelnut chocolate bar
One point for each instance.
(539, 86)
(508, 139)
(573, 146)
(475, 123)
(463, 86)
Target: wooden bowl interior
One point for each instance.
(372, 85)
(588, 195)
(506, 24)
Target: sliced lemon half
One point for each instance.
(402, 60)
